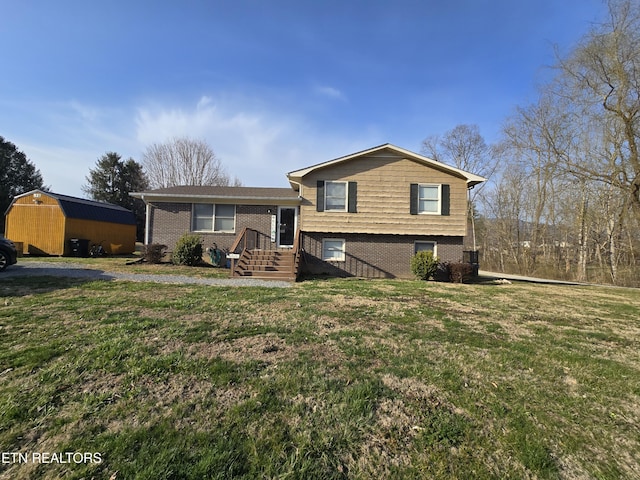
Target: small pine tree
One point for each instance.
(424, 265)
(188, 250)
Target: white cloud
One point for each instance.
(204, 102)
(85, 112)
(258, 142)
(257, 146)
(330, 92)
(65, 139)
(63, 169)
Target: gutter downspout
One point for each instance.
(473, 221)
(298, 216)
(147, 220)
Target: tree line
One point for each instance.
(563, 198)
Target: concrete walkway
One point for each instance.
(522, 278)
(72, 270)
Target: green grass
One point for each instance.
(328, 379)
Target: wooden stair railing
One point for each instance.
(246, 240)
(248, 260)
(295, 268)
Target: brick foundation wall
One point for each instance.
(169, 221)
(367, 255)
(375, 256)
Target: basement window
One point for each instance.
(425, 247)
(333, 249)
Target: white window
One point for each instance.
(429, 199)
(225, 219)
(202, 217)
(425, 247)
(208, 217)
(333, 249)
(335, 196)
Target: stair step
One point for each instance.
(267, 264)
(253, 261)
(266, 268)
(269, 275)
(263, 258)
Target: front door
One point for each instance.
(286, 226)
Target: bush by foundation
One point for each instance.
(154, 252)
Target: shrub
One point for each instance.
(154, 252)
(188, 250)
(460, 272)
(424, 265)
(443, 274)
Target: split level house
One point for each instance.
(364, 215)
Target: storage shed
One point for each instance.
(48, 223)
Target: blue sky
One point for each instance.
(272, 86)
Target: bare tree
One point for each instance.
(184, 161)
(504, 239)
(578, 147)
(464, 147)
(601, 78)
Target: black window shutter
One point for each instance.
(413, 209)
(353, 197)
(320, 196)
(446, 200)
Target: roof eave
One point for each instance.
(472, 179)
(244, 199)
(298, 174)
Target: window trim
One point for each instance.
(346, 196)
(342, 251)
(439, 199)
(213, 218)
(194, 218)
(435, 246)
(351, 205)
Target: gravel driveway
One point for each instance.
(72, 270)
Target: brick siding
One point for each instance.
(169, 221)
(367, 255)
(375, 256)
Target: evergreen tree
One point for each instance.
(113, 179)
(17, 175)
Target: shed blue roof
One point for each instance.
(84, 209)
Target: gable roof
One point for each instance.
(471, 178)
(81, 208)
(244, 195)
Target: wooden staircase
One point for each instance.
(267, 265)
(249, 260)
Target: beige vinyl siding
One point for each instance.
(383, 199)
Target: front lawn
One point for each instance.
(328, 379)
